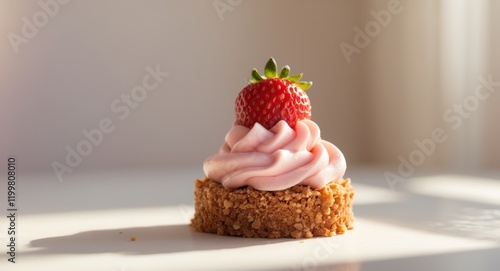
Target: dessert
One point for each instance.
(274, 177)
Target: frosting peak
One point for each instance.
(276, 159)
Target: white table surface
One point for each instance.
(431, 222)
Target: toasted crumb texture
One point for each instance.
(297, 212)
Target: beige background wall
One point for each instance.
(65, 78)
(427, 60)
(491, 129)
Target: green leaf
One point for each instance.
(256, 77)
(304, 85)
(285, 72)
(295, 78)
(270, 71)
(270, 68)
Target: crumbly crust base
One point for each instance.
(297, 212)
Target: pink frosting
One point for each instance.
(276, 159)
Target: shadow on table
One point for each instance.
(422, 205)
(148, 240)
(452, 217)
(483, 259)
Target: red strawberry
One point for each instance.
(271, 98)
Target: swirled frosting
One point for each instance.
(276, 159)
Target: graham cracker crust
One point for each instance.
(296, 212)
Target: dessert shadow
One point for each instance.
(142, 241)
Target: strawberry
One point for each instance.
(271, 98)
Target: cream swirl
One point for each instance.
(276, 159)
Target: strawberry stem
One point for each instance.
(285, 72)
(270, 68)
(295, 78)
(270, 71)
(256, 77)
(304, 85)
